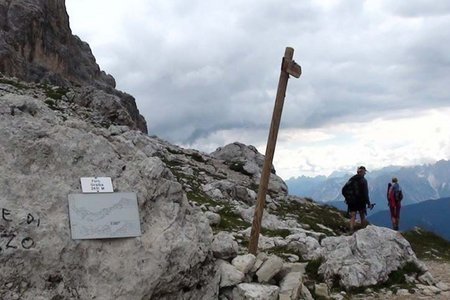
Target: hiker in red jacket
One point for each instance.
(394, 196)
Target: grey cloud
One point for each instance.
(418, 8)
(205, 67)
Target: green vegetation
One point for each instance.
(284, 251)
(16, 84)
(396, 280)
(230, 221)
(243, 242)
(55, 93)
(201, 198)
(51, 104)
(320, 218)
(312, 269)
(428, 245)
(312, 215)
(398, 277)
(275, 232)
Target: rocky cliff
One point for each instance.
(37, 45)
(195, 209)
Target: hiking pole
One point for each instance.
(288, 67)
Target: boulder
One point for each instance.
(224, 245)
(291, 286)
(247, 158)
(321, 290)
(269, 269)
(365, 258)
(213, 218)
(229, 274)
(248, 161)
(44, 153)
(307, 246)
(244, 263)
(252, 291)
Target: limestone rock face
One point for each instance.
(224, 246)
(248, 161)
(47, 143)
(365, 258)
(43, 153)
(63, 119)
(37, 45)
(251, 291)
(237, 153)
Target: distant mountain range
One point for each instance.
(432, 215)
(419, 183)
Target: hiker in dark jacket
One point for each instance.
(395, 196)
(362, 199)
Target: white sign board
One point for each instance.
(96, 185)
(99, 216)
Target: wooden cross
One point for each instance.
(288, 67)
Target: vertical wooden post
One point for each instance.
(270, 148)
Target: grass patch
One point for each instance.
(428, 245)
(173, 163)
(243, 242)
(312, 215)
(284, 251)
(55, 93)
(312, 269)
(396, 281)
(13, 83)
(398, 277)
(51, 104)
(275, 232)
(201, 198)
(230, 221)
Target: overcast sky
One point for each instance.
(374, 89)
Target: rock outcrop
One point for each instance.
(37, 45)
(64, 120)
(365, 258)
(44, 151)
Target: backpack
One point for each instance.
(398, 196)
(350, 191)
(388, 191)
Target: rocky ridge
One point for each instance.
(195, 213)
(37, 45)
(63, 119)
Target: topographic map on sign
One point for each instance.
(99, 216)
